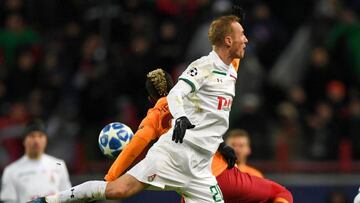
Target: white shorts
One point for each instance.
(184, 168)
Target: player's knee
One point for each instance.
(117, 190)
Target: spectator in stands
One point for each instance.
(36, 173)
(15, 34)
(239, 140)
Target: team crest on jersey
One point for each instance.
(193, 71)
(151, 178)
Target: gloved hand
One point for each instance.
(181, 124)
(228, 153)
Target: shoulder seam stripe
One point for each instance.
(189, 82)
(218, 72)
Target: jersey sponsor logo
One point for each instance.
(223, 103)
(151, 178)
(193, 71)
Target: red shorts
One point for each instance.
(239, 187)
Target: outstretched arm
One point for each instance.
(141, 140)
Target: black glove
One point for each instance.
(238, 11)
(228, 153)
(181, 124)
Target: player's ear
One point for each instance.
(228, 41)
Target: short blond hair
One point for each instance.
(220, 28)
(238, 133)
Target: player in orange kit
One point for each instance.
(239, 140)
(236, 186)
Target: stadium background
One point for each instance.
(81, 64)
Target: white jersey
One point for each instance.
(208, 105)
(27, 179)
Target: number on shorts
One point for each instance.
(217, 195)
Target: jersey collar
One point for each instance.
(218, 62)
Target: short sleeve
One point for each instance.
(8, 190)
(195, 75)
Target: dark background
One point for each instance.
(80, 64)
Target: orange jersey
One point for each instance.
(219, 164)
(250, 170)
(236, 63)
(156, 123)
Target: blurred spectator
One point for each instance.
(168, 47)
(40, 173)
(239, 140)
(319, 73)
(344, 41)
(354, 125)
(23, 78)
(12, 6)
(323, 135)
(267, 35)
(288, 132)
(15, 34)
(89, 80)
(256, 123)
(175, 8)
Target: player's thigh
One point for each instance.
(242, 187)
(123, 187)
(202, 190)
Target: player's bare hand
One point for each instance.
(181, 125)
(228, 153)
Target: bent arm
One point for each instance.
(176, 96)
(138, 143)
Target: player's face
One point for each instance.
(35, 144)
(241, 147)
(239, 41)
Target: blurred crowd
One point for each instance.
(82, 64)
